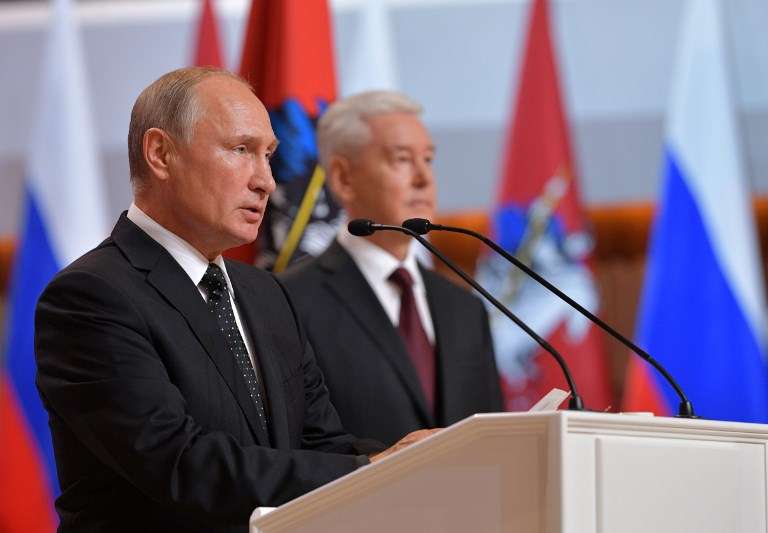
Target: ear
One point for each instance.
(158, 149)
(340, 180)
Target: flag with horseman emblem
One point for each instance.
(288, 58)
(539, 218)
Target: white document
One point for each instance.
(551, 401)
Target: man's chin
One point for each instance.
(244, 235)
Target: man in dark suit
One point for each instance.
(401, 348)
(180, 388)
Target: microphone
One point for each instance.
(423, 226)
(362, 227)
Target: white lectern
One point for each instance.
(551, 472)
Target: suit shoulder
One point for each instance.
(102, 281)
(435, 281)
(302, 276)
(104, 262)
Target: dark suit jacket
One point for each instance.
(152, 424)
(372, 382)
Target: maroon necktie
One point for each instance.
(416, 341)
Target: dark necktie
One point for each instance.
(220, 306)
(412, 331)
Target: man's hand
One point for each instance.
(410, 438)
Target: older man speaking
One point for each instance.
(180, 388)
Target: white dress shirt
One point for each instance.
(377, 265)
(192, 261)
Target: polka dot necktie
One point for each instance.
(412, 331)
(220, 306)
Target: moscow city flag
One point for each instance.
(539, 217)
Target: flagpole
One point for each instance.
(302, 219)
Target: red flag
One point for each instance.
(208, 48)
(25, 506)
(288, 58)
(288, 53)
(640, 394)
(540, 218)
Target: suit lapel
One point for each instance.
(249, 298)
(347, 283)
(170, 280)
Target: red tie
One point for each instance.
(416, 341)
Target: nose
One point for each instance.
(262, 179)
(423, 175)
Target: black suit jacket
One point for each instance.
(371, 379)
(152, 424)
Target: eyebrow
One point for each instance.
(396, 147)
(248, 139)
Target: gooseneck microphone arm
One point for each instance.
(423, 226)
(364, 227)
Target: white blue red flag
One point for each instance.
(703, 311)
(539, 218)
(63, 217)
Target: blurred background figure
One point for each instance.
(401, 348)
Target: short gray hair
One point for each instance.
(343, 127)
(168, 103)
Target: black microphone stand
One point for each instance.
(422, 226)
(364, 227)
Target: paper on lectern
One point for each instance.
(551, 401)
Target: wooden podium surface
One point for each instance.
(551, 472)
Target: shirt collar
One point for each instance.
(375, 262)
(186, 255)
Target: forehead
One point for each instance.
(228, 103)
(399, 129)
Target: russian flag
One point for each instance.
(703, 311)
(63, 217)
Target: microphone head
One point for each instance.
(418, 225)
(361, 227)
